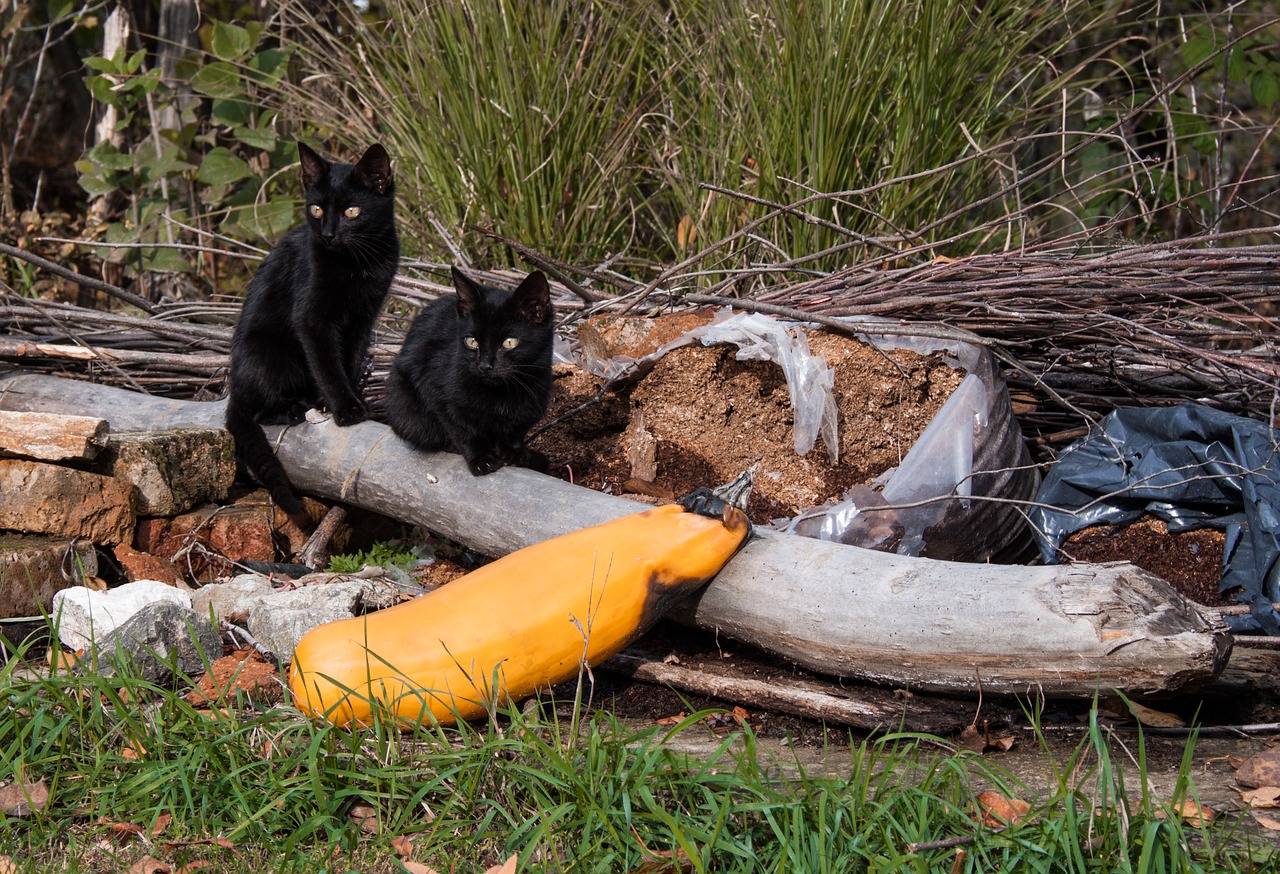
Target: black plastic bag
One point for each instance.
(1193, 467)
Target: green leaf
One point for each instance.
(268, 66)
(105, 154)
(258, 138)
(164, 261)
(219, 79)
(231, 112)
(230, 42)
(220, 167)
(1196, 50)
(101, 89)
(101, 64)
(59, 9)
(1265, 87)
(96, 185)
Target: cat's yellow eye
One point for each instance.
(316, 210)
(471, 342)
(351, 211)
(511, 343)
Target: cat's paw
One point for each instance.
(350, 414)
(484, 464)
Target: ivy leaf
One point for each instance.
(218, 79)
(220, 167)
(230, 42)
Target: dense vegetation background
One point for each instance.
(633, 133)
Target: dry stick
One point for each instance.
(537, 259)
(783, 696)
(79, 278)
(935, 331)
(17, 348)
(315, 552)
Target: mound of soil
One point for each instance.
(700, 417)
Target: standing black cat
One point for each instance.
(309, 312)
(475, 374)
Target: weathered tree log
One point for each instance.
(840, 610)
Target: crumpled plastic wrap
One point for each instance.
(972, 446)
(1191, 466)
(810, 381)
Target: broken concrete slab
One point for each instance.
(173, 471)
(277, 618)
(83, 615)
(42, 498)
(35, 567)
(162, 639)
(52, 436)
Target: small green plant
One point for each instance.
(384, 553)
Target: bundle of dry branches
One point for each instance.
(1080, 332)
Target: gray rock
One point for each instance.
(154, 644)
(278, 618)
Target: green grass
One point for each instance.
(587, 128)
(592, 796)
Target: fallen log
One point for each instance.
(840, 610)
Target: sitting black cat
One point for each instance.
(475, 374)
(309, 312)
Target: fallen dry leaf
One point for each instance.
(161, 823)
(1263, 796)
(402, 847)
(1155, 718)
(1264, 821)
(997, 811)
(673, 720)
(23, 799)
(981, 741)
(148, 865)
(194, 865)
(1193, 813)
(7, 866)
(1260, 770)
(365, 816)
(418, 868)
(507, 867)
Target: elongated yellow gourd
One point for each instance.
(521, 623)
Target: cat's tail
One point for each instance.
(254, 451)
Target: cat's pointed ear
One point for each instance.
(469, 295)
(314, 168)
(533, 298)
(374, 169)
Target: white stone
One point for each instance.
(84, 615)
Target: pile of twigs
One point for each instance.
(1080, 333)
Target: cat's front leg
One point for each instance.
(339, 396)
(484, 463)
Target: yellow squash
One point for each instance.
(519, 624)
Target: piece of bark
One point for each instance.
(870, 710)
(52, 436)
(919, 623)
(315, 552)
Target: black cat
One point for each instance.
(475, 374)
(309, 312)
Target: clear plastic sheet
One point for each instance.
(1193, 467)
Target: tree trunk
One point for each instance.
(919, 623)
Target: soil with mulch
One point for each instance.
(701, 417)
